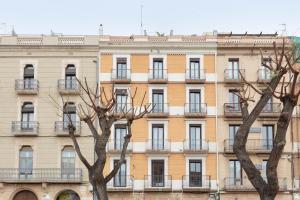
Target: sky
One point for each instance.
(123, 17)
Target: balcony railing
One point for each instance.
(115, 146)
(157, 76)
(195, 109)
(40, 175)
(24, 86)
(243, 184)
(158, 182)
(122, 108)
(158, 146)
(120, 183)
(61, 128)
(195, 76)
(263, 76)
(271, 110)
(195, 146)
(252, 145)
(237, 184)
(158, 110)
(233, 75)
(121, 75)
(68, 86)
(196, 183)
(232, 110)
(25, 127)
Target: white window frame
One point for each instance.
(158, 87)
(166, 165)
(187, 162)
(194, 87)
(189, 56)
(67, 62)
(20, 104)
(159, 56)
(25, 62)
(111, 165)
(194, 122)
(128, 63)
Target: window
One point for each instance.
(233, 128)
(265, 72)
(120, 133)
(68, 162)
(158, 68)
(195, 173)
(121, 68)
(195, 139)
(27, 115)
(26, 162)
(157, 173)
(120, 178)
(233, 69)
(269, 106)
(70, 77)
(235, 172)
(194, 68)
(121, 98)
(264, 168)
(267, 136)
(158, 137)
(28, 77)
(195, 101)
(69, 114)
(234, 101)
(158, 101)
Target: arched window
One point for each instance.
(25, 162)
(68, 194)
(25, 195)
(68, 162)
(28, 77)
(27, 115)
(69, 114)
(70, 77)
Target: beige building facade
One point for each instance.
(181, 150)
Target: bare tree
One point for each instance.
(103, 110)
(281, 65)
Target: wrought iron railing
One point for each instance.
(195, 109)
(68, 85)
(158, 145)
(157, 181)
(196, 181)
(25, 126)
(27, 85)
(195, 145)
(195, 75)
(120, 74)
(234, 74)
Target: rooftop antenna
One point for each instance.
(283, 33)
(101, 29)
(141, 19)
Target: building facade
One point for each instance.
(181, 150)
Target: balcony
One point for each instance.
(252, 146)
(122, 108)
(120, 184)
(158, 110)
(271, 110)
(114, 146)
(27, 86)
(195, 76)
(233, 75)
(244, 184)
(121, 76)
(196, 183)
(61, 128)
(195, 109)
(25, 128)
(158, 76)
(237, 184)
(263, 76)
(157, 183)
(195, 146)
(68, 87)
(40, 175)
(232, 110)
(158, 146)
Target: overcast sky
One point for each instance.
(123, 17)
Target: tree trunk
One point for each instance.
(101, 191)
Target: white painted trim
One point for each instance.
(187, 126)
(24, 62)
(189, 56)
(158, 55)
(158, 87)
(66, 62)
(194, 87)
(166, 163)
(163, 122)
(127, 158)
(128, 63)
(112, 135)
(195, 157)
